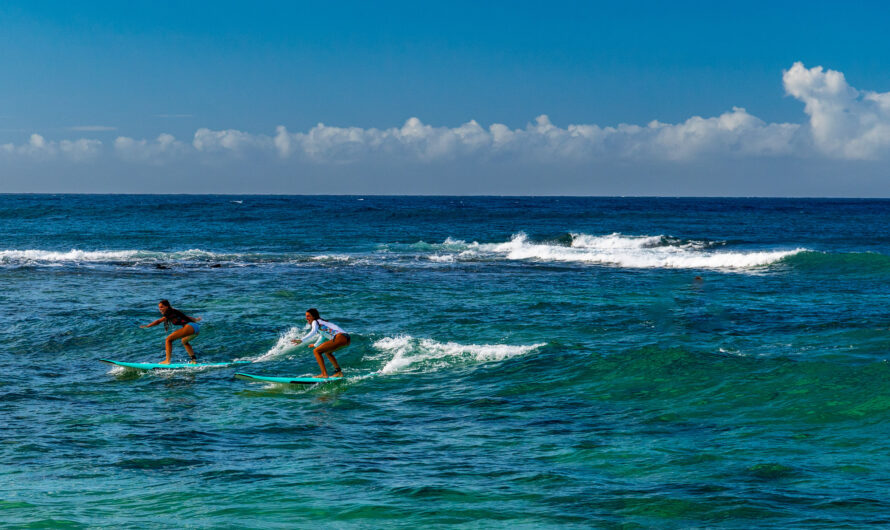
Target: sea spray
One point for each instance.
(647, 252)
(282, 346)
(613, 250)
(406, 353)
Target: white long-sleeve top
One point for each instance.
(324, 329)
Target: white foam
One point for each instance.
(117, 370)
(44, 257)
(133, 257)
(618, 250)
(331, 257)
(405, 353)
(73, 255)
(614, 249)
(615, 241)
(282, 346)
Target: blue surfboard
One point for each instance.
(171, 366)
(287, 380)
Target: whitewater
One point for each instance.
(611, 250)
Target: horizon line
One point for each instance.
(837, 197)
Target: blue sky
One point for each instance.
(133, 71)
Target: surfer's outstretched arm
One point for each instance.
(312, 332)
(155, 323)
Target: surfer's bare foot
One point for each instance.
(164, 362)
(338, 373)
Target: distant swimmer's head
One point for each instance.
(311, 315)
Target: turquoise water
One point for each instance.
(533, 362)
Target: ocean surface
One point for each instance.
(515, 362)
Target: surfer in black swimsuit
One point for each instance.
(189, 330)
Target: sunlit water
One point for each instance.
(515, 362)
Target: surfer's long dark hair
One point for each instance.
(314, 312)
(175, 314)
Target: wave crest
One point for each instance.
(407, 353)
(283, 345)
(617, 250)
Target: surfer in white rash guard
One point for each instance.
(330, 338)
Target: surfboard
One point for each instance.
(287, 380)
(171, 366)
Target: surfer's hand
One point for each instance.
(197, 319)
(296, 341)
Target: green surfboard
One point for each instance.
(288, 380)
(171, 366)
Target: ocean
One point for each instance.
(515, 362)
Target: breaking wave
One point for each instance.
(616, 250)
(191, 257)
(134, 257)
(406, 353)
(282, 345)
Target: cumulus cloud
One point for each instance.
(735, 133)
(845, 122)
(39, 148)
(158, 151)
(414, 140)
(82, 149)
(230, 140)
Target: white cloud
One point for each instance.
(158, 151)
(82, 149)
(39, 148)
(414, 141)
(735, 133)
(845, 122)
(231, 140)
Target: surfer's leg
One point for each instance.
(188, 347)
(178, 334)
(328, 348)
(336, 365)
(320, 360)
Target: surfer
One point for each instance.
(189, 330)
(333, 336)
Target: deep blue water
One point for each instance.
(577, 362)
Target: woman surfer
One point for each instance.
(333, 336)
(189, 330)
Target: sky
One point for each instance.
(459, 98)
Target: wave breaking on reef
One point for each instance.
(405, 353)
(612, 250)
